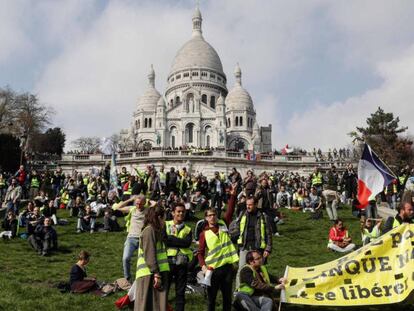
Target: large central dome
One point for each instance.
(197, 52)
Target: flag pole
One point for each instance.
(396, 177)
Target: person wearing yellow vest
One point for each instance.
(92, 189)
(317, 179)
(34, 181)
(163, 179)
(179, 238)
(123, 176)
(405, 215)
(255, 233)
(127, 188)
(369, 230)
(256, 291)
(391, 194)
(152, 267)
(217, 253)
(134, 207)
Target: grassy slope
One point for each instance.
(26, 279)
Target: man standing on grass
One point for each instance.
(255, 233)
(178, 241)
(134, 224)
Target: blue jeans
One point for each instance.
(254, 303)
(13, 207)
(130, 246)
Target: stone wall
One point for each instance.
(204, 162)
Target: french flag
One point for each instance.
(373, 176)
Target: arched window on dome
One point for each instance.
(204, 99)
(240, 121)
(228, 122)
(237, 121)
(138, 124)
(145, 123)
(150, 123)
(213, 102)
(171, 103)
(177, 100)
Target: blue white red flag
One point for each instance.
(113, 179)
(373, 176)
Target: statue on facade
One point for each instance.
(158, 138)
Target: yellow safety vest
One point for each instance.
(394, 189)
(129, 191)
(91, 191)
(162, 260)
(240, 240)
(221, 250)
(35, 183)
(128, 218)
(317, 179)
(65, 198)
(375, 233)
(246, 288)
(163, 177)
(185, 231)
(395, 223)
(2, 182)
(402, 179)
(124, 177)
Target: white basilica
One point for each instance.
(197, 109)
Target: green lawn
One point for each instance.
(26, 279)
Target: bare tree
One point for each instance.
(22, 115)
(8, 110)
(87, 144)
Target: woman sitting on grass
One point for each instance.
(79, 282)
(339, 239)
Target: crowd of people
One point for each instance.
(233, 240)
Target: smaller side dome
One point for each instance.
(238, 98)
(161, 103)
(149, 100)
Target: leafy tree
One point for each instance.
(51, 142)
(384, 134)
(10, 153)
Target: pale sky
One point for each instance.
(315, 69)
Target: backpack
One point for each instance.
(199, 228)
(234, 229)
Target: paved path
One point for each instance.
(384, 211)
